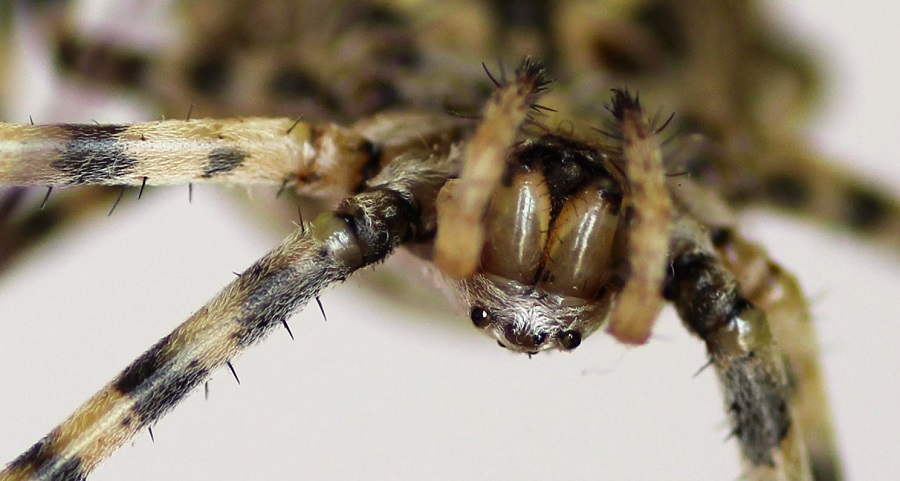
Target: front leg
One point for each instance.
(777, 292)
(363, 229)
(743, 351)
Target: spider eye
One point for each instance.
(539, 338)
(480, 316)
(569, 339)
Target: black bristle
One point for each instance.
(623, 101)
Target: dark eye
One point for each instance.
(569, 339)
(480, 316)
(539, 338)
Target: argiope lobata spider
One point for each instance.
(345, 347)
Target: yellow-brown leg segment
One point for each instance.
(649, 217)
(778, 293)
(234, 151)
(316, 158)
(745, 355)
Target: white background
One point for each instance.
(394, 386)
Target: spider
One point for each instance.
(541, 383)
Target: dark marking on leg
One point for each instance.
(164, 389)
(377, 94)
(209, 73)
(261, 310)
(222, 160)
(70, 470)
(701, 293)
(292, 82)
(42, 453)
(721, 236)
(866, 210)
(660, 19)
(377, 233)
(42, 462)
(94, 154)
(150, 430)
(787, 190)
(740, 345)
(101, 61)
(142, 369)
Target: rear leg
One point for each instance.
(333, 62)
(795, 180)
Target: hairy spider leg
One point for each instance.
(777, 292)
(743, 350)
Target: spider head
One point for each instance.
(527, 318)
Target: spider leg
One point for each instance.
(796, 180)
(778, 293)
(791, 177)
(236, 57)
(463, 204)
(237, 151)
(397, 206)
(743, 350)
(648, 216)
